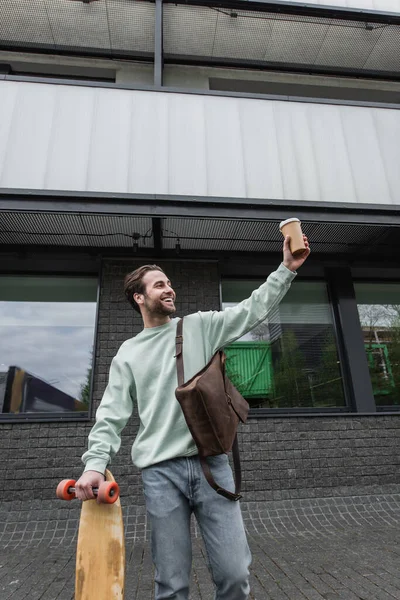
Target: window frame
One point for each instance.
(381, 409)
(342, 303)
(60, 417)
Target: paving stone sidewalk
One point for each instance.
(319, 549)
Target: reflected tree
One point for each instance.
(84, 394)
(327, 388)
(394, 354)
(381, 327)
(291, 382)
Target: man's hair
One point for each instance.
(133, 283)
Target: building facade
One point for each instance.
(181, 134)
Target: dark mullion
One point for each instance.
(340, 343)
(157, 235)
(355, 371)
(158, 44)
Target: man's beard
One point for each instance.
(157, 307)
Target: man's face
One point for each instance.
(159, 297)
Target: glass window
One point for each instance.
(46, 343)
(379, 311)
(289, 361)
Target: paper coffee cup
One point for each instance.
(292, 227)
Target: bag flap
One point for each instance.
(212, 370)
(212, 379)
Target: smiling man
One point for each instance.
(155, 296)
(144, 373)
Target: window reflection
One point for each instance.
(291, 360)
(379, 312)
(46, 341)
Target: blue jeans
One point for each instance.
(173, 490)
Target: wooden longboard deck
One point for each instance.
(100, 558)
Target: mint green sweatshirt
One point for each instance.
(144, 372)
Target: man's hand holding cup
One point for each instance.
(296, 248)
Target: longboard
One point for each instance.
(100, 555)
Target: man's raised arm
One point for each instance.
(224, 327)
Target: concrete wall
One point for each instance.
(282, 458)
(193, 77)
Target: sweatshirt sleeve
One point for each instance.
(224, 327)
(112, 415)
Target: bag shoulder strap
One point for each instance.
(238, 474)
(179, 352)
(235, 448)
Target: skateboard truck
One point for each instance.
(107, 492)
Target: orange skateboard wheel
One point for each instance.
(64, 492)
(108, 492)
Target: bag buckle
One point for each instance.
(228, 495)
(178, 345)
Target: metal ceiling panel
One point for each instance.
(316, 41)
(295, 40)
(114, 26)
(131, 24)
(207, 235)
(264, 236)
(118, 231)
(25, 22)
(126, 28)
(260, 230)
(232, 41)
(42, 229)
(191, 31)
(210, 228)
(61, 229)
(257, 245)
(351, 44)
(198, 244)
(67, 21)
(358, 234)
(257, 236)
(385, 55)
(199, 234)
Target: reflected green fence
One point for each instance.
(250, 368)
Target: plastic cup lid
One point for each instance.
(283, 223)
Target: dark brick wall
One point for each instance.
(282, 458)
(303, 457)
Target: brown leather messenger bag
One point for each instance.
(213, 408)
